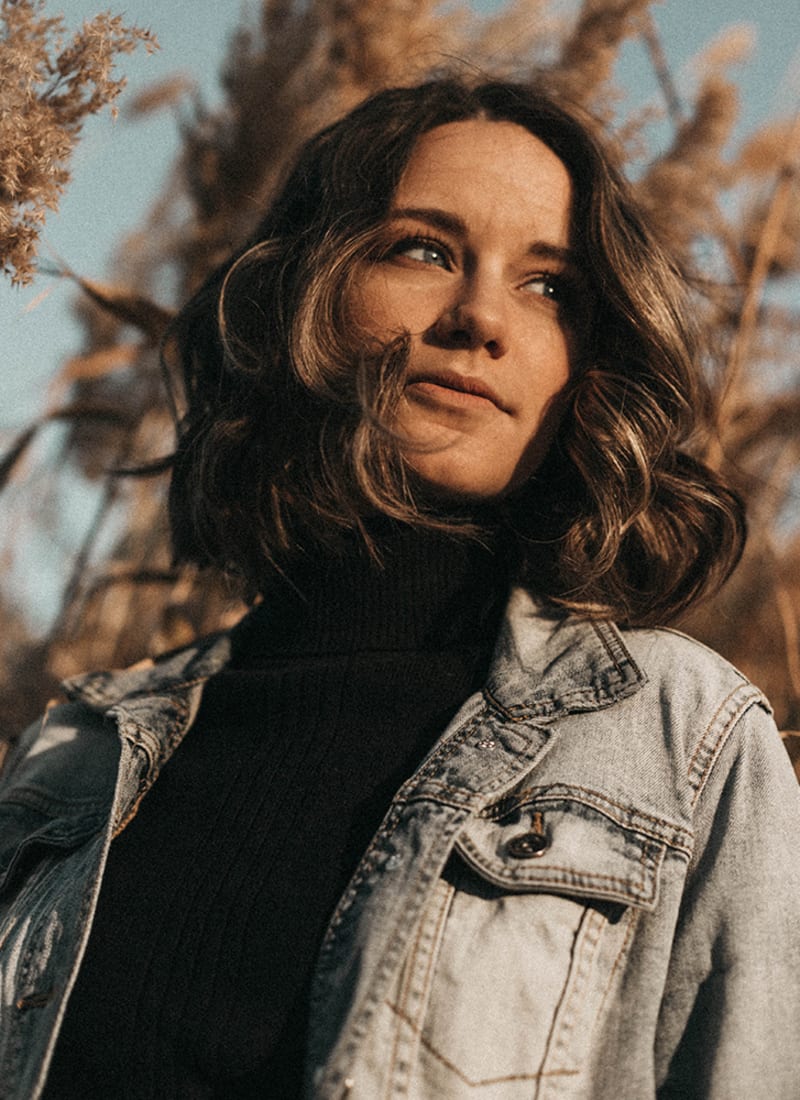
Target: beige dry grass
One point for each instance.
(49, 85)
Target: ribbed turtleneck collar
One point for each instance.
(429, 591)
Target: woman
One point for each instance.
(438, 828)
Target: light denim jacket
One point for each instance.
(589, 889)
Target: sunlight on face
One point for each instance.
(480, 274)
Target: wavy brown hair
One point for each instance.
(287, 437)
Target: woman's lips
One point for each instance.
(458, 390)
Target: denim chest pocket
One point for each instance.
(551, 840)
(518, 958)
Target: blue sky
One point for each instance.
(119, 166)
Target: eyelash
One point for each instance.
(557, 286)
(422, 242)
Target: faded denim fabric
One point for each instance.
(590, 888)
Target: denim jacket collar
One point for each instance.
(174, 672)
(546, 663)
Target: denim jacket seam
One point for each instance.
(392, 955)
(164, 742)
(87, 911)
(425, 785)
(470, 1082)
(556, 1057)
(447, 749)
(51, 803)
(170, 689)
(402, 995)
(458, 798)
(365, 868)
(713, 740)
(93, 688)
(616, 649)
(588, 697)
(401, 1009)
(632, 917)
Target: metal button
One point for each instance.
(527, 845)
(530, 844)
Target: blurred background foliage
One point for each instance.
(731, 211)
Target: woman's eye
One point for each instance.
(424, 252)
(547, 286)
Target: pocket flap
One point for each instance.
(557, 840)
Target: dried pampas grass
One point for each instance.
(49, 86)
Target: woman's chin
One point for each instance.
(454, 493)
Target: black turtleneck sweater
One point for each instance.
(217, 894)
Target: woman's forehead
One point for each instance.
(480, 168)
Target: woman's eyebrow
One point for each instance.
(543, 250)
(452, 223)
(442, 219)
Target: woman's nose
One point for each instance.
(475, 318)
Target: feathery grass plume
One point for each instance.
(590, 52)
(376, 43)
(772, 154)
(164, 93)
(776, 225)
(756, 619)
(301, 67)
(517, 40)
(764, 151)
(733, 46)
(48, 87)
(682, 188)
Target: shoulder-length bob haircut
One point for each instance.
(287, 437)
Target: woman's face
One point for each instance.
(479, 273)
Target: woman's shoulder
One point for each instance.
(658, 702)
(675, 659)
(721, 716)
(593, 663)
